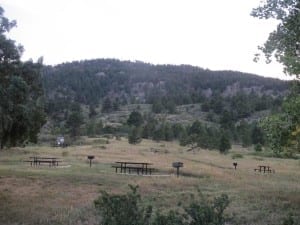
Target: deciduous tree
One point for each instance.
(284, 42)
(282, 130)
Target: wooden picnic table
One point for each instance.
(138, 167)
(37, 160)
(264, 168)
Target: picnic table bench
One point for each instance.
(37, 161)
(137, 167)
(263, 168)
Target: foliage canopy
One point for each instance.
(284, 42)
(128, 208)
(21, 93)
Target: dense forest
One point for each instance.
(141, 100)
(89, 82)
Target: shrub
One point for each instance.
(101, 141)
(291, 220)
(237, 156)
(171, 218)
(207, 212)
(123, 209)
(128, 209)
(258, 147)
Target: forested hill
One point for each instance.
(100, 96)
(90, 82)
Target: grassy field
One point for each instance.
(65, 195)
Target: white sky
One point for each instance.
(213, 34)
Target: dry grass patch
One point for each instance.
(46, 195)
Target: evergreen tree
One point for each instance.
(226, 120)
(99, 127)
(224, 144)
(75, 120)
(169, 135)
(149, 128)
(21, 103)
(134, 137)
(196, 128)
(257, 135)
(178, 129)
(244, 133)
(205, 106)
(171, 107)
(116, 104)
(92, 111)
(107, 106)
(184, 138)
(157, 106)
(159, 133)
(91, 128)
(135, 119)
(204, 139)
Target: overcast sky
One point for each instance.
(213, 34)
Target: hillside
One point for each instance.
(108, 90)
(88, 82)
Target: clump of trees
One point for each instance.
(197, 134)
(124, 209)
(283, 129)
(21, 94)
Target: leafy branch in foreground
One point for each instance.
(284, 42)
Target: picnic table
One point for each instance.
(264, 168)
(37, 161)
(138, 167)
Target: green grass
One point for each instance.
(65, 195)
(237, 156)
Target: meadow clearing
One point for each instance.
(65, 194)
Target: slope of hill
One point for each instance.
(109, 89)
(89, 82)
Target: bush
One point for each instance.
(291, 220)
(101, 141)
(171, 218)
(258, 147)
(207, 212)
(123, 209)
(237, 156)
(128, 209)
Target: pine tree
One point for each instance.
(224, 144)
(134, 137)
(21, 102)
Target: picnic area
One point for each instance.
(39, 189)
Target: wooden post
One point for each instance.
(177, 165)
(91, 157)
(177, 171)
(235, 165)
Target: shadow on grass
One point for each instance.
(207, 163)
(193, 175)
